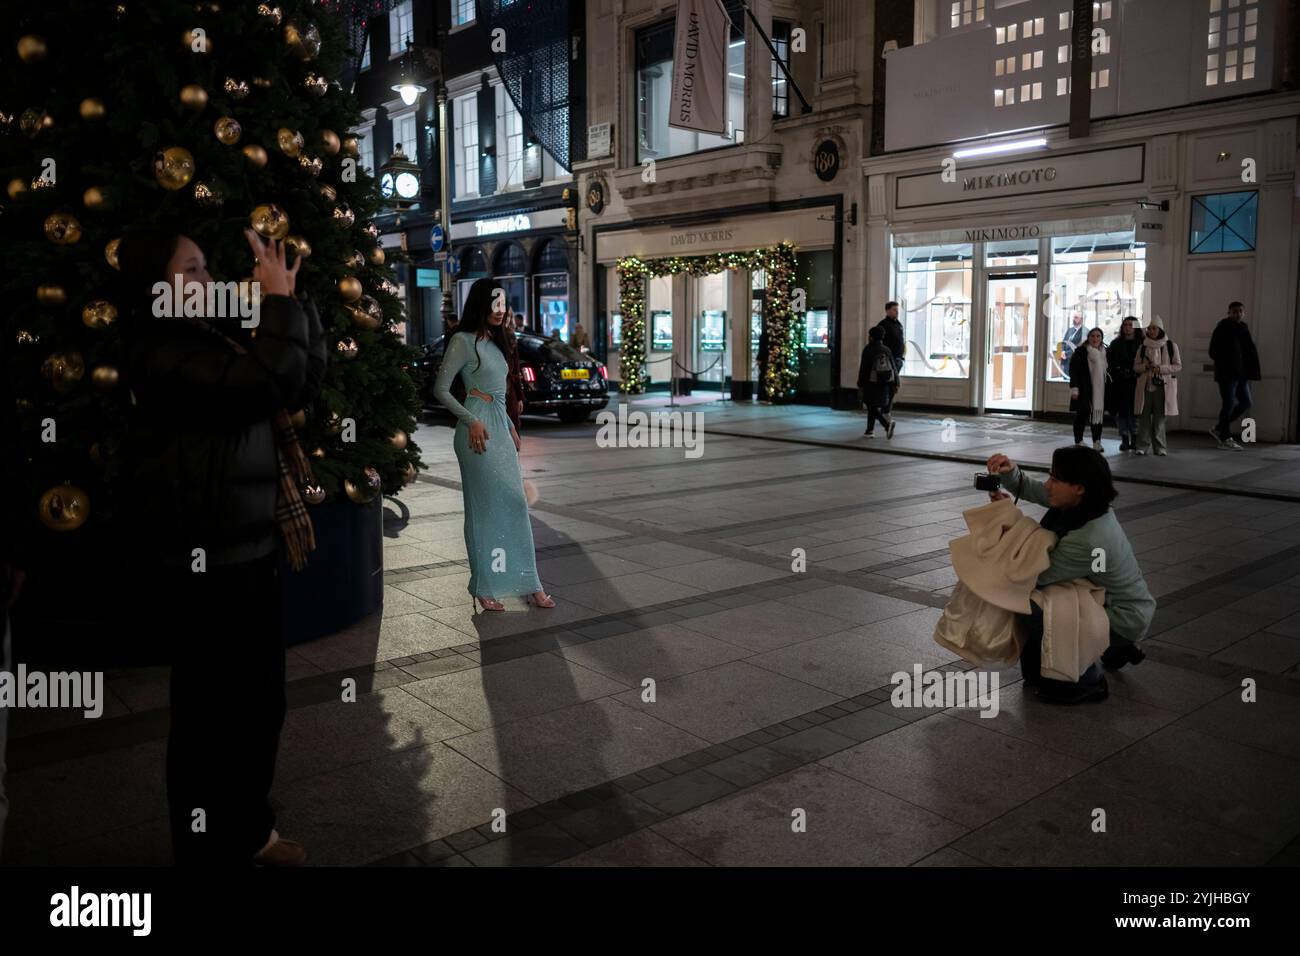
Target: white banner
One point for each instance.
(699, 92)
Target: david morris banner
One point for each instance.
(699, 94)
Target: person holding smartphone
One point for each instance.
(1090, 544)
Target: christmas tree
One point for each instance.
(204, 118)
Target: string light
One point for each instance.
(785, 329)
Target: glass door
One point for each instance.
(1011, 309)
(708, 358)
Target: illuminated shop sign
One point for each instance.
(492, 227)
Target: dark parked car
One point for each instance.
(558, 378)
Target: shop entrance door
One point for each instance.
(1011, 303)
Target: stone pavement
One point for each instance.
(771, 686)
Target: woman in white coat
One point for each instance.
(1156, 396)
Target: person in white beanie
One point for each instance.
(1156, 395)
(1088, 387)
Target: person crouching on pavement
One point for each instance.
(1090, 544)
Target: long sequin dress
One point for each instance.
(498, 537)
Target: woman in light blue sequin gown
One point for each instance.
(498, 536)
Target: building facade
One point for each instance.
(999, 227)
(780, 172)
(508, 218)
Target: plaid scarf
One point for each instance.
(295, 471)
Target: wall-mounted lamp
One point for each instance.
(489, 151)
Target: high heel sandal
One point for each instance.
(549, 601)
(490, 604)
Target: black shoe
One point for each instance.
(1116, 657)
(889, 432)
(1074, 694)
(1123, 443)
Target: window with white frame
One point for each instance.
(401, 27)
(404, 132)
(465, 117)
(1231, 34)
(965, 12)
(462, 12)
(510, 139)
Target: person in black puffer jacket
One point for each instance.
(1120, 356)
(212, 465)
(1236, 365)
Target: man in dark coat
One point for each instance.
(1236, 365)
(894, 340)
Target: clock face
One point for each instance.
(386, 185)
(407, 185)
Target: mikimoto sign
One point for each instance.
(699, 92)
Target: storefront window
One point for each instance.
(932, 285)
(654, 74)
(661, 330)
(1224, 222)
(817, 329)
(1096, 281)
(616, 331)
(1013, 252)
(471, 265)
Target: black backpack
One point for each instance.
(882, 368)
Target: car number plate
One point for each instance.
(574, 373)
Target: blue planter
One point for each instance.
(344, 578)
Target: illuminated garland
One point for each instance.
(785, 328)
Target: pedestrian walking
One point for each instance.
(1088, 387)
(1120, 356)
(215, 468)
(498, 536)
(1155, 395)
(876, 377)
(896, 341)
(1078, 495)
(1236, 365)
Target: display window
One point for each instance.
(1096, 280)
(933, 285)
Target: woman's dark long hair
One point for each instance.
(1077, 465)
(143, 255)
(474, 319)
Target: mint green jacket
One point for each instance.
(1102, 545)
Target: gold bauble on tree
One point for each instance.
(92, 108)
(269, 221)
(364, 490)
(313, 494)
(355, 262)
(272, 13)
(98, 314)
(110, 253)
(376, 256)
(350, 288)
(25, 337)
(310, 164)
(207, 195)
(94, 198)
(194, 96)
(237, 90)
(16, 187)
(64, 507)
(327, 191)
(316, 83)
(31, 48)
(51, 295)
(343, 216)
(227, 130)
(103, 376)
(62, 228)
(173, 167)
(366, 313)
(399, 439)
(255, 155)
(304, 43)
(298, 246)
(351, 146)
(347, 348)
(290, 141)
(329, 141)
